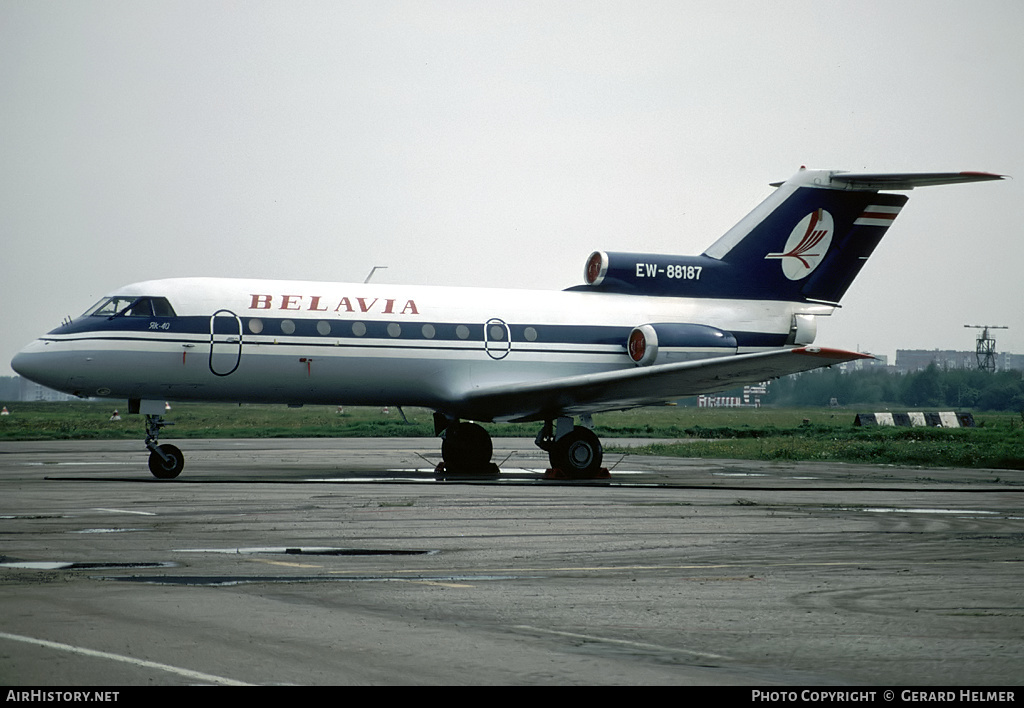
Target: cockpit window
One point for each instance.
(110, 306)
(143, 307)
(132, 307)
(162, 308)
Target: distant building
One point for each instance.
(31, 391)
(861, 364)
(909, 360)
(1007, 361)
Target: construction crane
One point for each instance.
(985, 352)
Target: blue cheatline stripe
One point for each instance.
(525, 337)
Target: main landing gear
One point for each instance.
(165, 461)
(466, 449)
(574, 451)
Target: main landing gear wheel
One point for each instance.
(467, 449)
(169, 465)
(578, 454)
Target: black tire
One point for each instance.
(578, 454)
(466, 447)
(169, 468)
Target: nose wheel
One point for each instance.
(165, 461)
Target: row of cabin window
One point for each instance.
(496, 333)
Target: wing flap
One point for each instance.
(629, 388)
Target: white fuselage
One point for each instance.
(360, 344)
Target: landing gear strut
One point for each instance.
(165, 461)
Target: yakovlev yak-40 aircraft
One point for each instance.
(643, 329)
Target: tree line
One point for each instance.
(928, 388)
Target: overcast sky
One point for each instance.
(488, 143)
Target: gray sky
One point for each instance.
(488, 143)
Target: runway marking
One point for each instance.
(438, 583)
(620, 642)
(907, 510)
(187, 673)
(536, 571)
(287, 565)
(125, 511)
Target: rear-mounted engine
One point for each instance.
(648, 273)
(663, 343)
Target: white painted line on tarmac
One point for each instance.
(620, 642)
(187, 673)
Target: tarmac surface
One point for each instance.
(346, 561)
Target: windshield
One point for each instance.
(131, 307)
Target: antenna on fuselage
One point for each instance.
(372, 271)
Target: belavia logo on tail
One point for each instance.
(807, 245)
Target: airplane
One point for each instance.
(643, 329)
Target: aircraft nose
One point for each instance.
(25, 363)
(36, 364)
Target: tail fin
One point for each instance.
(805, 243)
(809, 240)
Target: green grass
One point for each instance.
(990, 448)
(759, 434)
(91, 421)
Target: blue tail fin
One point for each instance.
(805, 243)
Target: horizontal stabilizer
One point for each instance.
(903, 180)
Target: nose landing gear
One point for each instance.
(165, 461)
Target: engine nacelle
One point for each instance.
(803, 330)
(666, 342)
(642, 345)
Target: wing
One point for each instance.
(642, 386)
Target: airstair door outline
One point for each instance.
(225, 342)
(497, 338)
